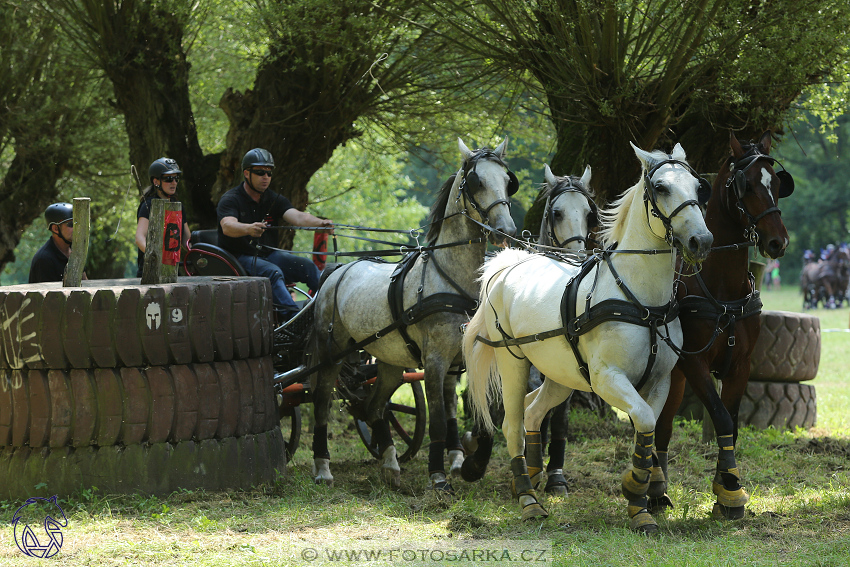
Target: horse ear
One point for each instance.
(549, 176)
(679, 153)
(644, 157)
(464, 151)
(585, 178)
(502, 148)
(766, 140)
(737, 150)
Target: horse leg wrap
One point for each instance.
(658, 499)
(475, 465)
(436, 468)
(731, 496)
(320, 442)
(557, 449)
(523, 491)
(534, 457)
(452, 437)
(635, 484)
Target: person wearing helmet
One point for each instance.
(243, 215)
(164, 174)
(48, 264)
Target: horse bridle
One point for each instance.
(649, 196)
(737, 181)
(567, 186)
(470, 184)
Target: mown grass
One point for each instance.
(799, 513)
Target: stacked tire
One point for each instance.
(786, 354)
(134, 388)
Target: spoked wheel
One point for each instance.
(407, 417)
(290, 427)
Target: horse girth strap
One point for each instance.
(425, 306)
(607, 310)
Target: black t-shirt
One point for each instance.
(144, 211)
(48, 264)
(236, 203)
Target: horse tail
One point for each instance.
(481, 371)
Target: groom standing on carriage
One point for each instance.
(245, 214)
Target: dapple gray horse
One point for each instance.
(434, 294)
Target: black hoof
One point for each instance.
(443, 487)
(727, 512)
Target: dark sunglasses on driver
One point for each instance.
(170, 178)
(261, 172)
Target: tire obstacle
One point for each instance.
(137, 388)
(786, 354)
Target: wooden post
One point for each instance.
(156, 268)
(80, 248)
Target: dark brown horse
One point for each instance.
(719, 311)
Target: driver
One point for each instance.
(243, 215)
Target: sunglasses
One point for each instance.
(261, 172)
(170, 178)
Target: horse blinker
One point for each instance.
(786, 183)
(704, 191)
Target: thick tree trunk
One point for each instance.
(27, 189)
(151, 86)
(293, 114)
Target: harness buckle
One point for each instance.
(648, 314)
(731, 341)
(654, 349)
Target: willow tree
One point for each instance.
(43, 105)
(653, 72)
(320, 70)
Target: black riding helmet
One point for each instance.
(163, 166)
(57, 213)
(257, 156)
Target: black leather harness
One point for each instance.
(460, 302)
(725, 315)
(631, 311)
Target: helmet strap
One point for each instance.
(250, 185)
(59, 233)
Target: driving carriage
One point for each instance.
(405, 410)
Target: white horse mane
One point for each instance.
(610, 230)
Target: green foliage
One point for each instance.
(817, 213)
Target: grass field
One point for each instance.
(799, 513)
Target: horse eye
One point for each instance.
(557, 214)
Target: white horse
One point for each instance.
(569, 214)
(621, 308)
(433, 294)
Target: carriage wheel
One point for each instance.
(407, 422)
(290, 427)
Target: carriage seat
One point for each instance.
(207, 258)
